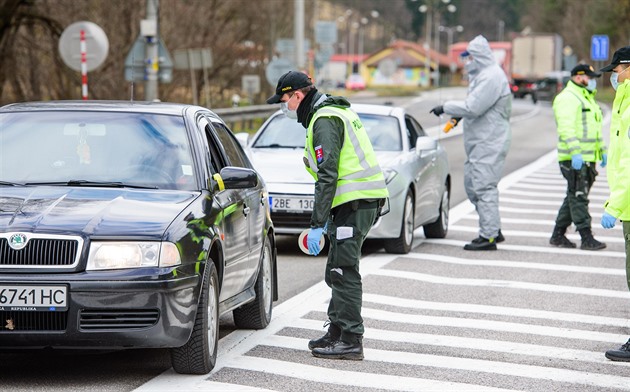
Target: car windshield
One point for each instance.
(283, 132)
(95, 148)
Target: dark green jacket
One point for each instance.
(328, 133)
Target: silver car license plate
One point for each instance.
(297, 204)
(33, 298)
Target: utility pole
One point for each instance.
(298, 23)
(149, 29)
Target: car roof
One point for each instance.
(383, 110)
(113, 106)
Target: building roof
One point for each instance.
(408, 55)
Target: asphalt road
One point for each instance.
(397, 309)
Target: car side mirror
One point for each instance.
(425, 145)
(238, 177)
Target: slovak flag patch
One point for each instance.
(319, 154)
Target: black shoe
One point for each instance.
(622, 354)
(481, 243)
(561, 242)
(340, 350)
(588, 242)
(499, 238)
(333, 334)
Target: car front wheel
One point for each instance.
(199, 354)
(402, 244)
(439, 228)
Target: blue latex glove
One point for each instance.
(577, 161)
(312, 240)
(608, 221)
(604, 160)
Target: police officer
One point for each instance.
(349, 191)
(580, 146)
(618, 204)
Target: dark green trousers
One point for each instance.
(350, 224)
(574, 208)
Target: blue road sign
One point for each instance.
(599, 48)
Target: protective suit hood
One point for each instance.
(479, 49)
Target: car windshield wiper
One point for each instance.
(276, 145)
(110, 184)
(7, 183)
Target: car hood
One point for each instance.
(90, 211)
(283, 169)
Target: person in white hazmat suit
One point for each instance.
(487, 136)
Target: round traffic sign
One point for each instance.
(277, 68)
(303, 244)
(96, 44)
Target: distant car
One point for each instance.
(523, 87)
(355, 82)
(552, 84)
(415, 167)
(126, 225)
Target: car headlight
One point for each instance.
(389, 175)
(118, 255)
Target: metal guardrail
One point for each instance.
(245, 114)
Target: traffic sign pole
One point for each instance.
(84, 85)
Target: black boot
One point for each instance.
(559, 239)
(481, 243)
(341, 350)
(588, 242)
(333, 334)
(622, 354)
(500, 237)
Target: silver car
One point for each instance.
(415, 167)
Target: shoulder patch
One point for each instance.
(319, 154)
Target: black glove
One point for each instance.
(438, 110)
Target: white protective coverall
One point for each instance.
(487, 133)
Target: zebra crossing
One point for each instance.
(528, 317)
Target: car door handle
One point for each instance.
(246, 211)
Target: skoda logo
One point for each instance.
(18, 241)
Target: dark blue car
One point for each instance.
(129, 224)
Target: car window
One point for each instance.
(414, 130)
(133, 148)
(231, 146)
(281, 132)
(383, 131)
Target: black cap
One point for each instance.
(290, 81)
(585, 69)
(621, 56)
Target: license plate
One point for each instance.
(298, 204)
(33, 298)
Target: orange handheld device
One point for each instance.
(452, 123)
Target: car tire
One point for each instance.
(199, 354)
(439, 228)
(257, 314)
(402, 244)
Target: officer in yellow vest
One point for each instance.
(618, 204)
(580, 147)
(349, 191)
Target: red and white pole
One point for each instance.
(84, 85)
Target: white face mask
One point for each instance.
(292, 114)
(614, 78)
(592, 85)
(284, 106)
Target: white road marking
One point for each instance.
(473, 365)
(495, 310)
(558, 196)
(558, 354)
(505, 284)
(517, 264)
(536, 249)
(536, 234)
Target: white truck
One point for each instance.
(534, 56)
